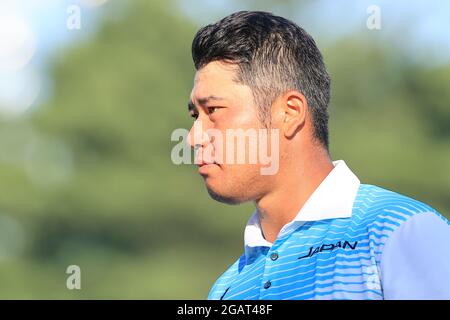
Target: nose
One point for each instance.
(197, 136)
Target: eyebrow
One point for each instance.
(203, 101)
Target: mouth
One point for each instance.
(204, 167)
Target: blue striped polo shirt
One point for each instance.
(349, 241)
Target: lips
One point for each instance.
(201, 162)
(205, 161)
(207, 169)
(203, 158)
(205, 165)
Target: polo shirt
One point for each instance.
(348, 241)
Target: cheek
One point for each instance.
(239, 174)
(239, 118)
(246, 120)
(233, 124)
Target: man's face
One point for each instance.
(218, 103)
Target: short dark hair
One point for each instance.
(273, 55)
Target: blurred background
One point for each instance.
(91, 90)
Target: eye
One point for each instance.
(212, 109)
(194, 115)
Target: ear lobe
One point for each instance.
(295, 113)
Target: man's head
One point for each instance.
(254, 71)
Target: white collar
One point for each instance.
(332, 199)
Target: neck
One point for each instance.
(298, 182)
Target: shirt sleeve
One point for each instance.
(415, 261)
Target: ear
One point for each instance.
(295, 108)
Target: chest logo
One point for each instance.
(330, 247)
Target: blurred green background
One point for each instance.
(86, 176)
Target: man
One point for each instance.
(317, 232)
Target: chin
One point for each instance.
(225, 198)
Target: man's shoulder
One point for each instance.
(386, 209)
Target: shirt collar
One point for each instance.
(332, 199)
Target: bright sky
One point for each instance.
(31, 31)
(421, 27)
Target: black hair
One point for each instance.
(273, 55)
